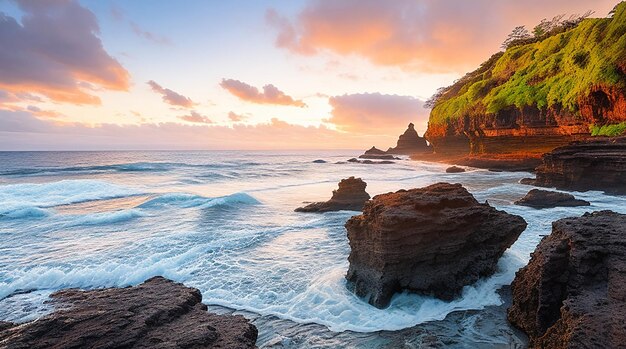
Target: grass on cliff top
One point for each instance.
(608, 130)
(554, 71)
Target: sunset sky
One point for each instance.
(297, 74)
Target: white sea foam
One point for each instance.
(186, 200)
(102, 218)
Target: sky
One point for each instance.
(266, 74)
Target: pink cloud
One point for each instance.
(376, 114)
(270, 95)
(171, 97)
(234, 117)
(55, 51)
(441, 35)
(195, 117)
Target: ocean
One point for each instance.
(224, 222)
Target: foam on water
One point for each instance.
(247, 252)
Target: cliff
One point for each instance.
(538, 95)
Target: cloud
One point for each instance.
(195, 117)
(20, 130)
(234, 117)
(270, 95)
(438, 35)
(377, 114)
(150, 36)
(55, 51)
(171, 97)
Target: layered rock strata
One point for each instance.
(350, 196)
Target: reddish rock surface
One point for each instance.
(410, 143)
(432, 240)
(350, 196)
(156, 314)
(572, 293)
(455, 169)
(537, 198)
(596, 164)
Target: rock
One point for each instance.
(375, 151)
(319, 161)
(410, 143)
(537, 198)
(350, 196)
(595, 164)
(377, 154)
(370, 162)
(455, 169)
(572, 293)
(156, 314)
(432, 240)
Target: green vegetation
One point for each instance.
(555, 70)
(608, 130)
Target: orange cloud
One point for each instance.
(54, 51)
(270, 95)
(195, 117)
(234, 117)
(376, 114)
(440, 35)
(171, 97)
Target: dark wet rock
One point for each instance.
(432, 240)
(572, 293)
(375, 151)
(376, 154)
(596, 164)
(350, 196)
(319, 161)
(370, 162)
(156, 314)
(410, 143)
(455, 169)
(537, 198)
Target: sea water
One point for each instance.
(224, 222)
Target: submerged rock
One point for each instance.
(597, 164)
(432, 240)
(572, 293)
(350, 196)
(319, 161)
(455, 169)
(538, 198)
(410, 143)
(156, 314)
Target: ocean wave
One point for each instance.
(21, 212)
(102, 218)
(186, 200)
(63, 192)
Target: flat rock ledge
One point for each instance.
(596, 164)
(432, 241)
(537, 198)
(350, 196)
(572, 293)
(158, 313)
(455, 169)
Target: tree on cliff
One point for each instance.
(519, 35)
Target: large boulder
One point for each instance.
(597, 164)
(537, 198)
(432, 240)
(572, 293)
(350, 196)
(156, 314)
(410, 143)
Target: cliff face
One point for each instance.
(535, 97)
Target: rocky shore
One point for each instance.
(159, 313)
(432, 240)
(572, 293)
(595, 164)
(350, 195)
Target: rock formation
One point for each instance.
(350, 196)
(455, 169)
(370, 162)
(572, 293)
(377, 154)
(537, 198)
(432, 240)
(410, 143)
(596, 164)
(156, 314)
(512, 105)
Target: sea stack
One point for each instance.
(572, 293)
(410, 143)
(594, 164)
(156, 314)
(350, 196)
(432, 241)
